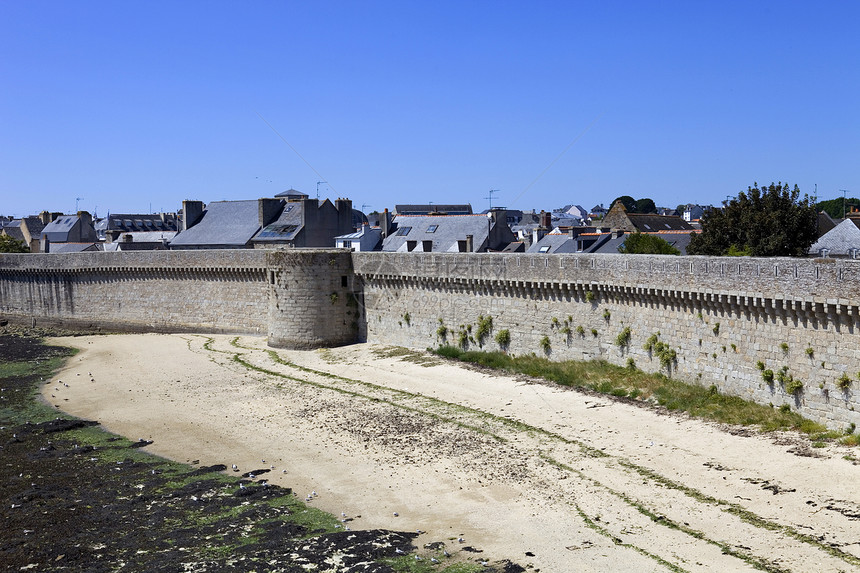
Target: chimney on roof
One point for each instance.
(385, 222)
(470, 243)
(191, 212)
(268, 210)
(545, 220)
(85, 218)
(344, 216)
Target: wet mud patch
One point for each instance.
(75, 498)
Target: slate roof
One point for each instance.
(286, 227)
(652, 223)
(291, 194)
(227, 223)
(137, 222)
(57, 231)
(74, 247)
(34, 226)
(607, 244)
(825, 223)
(448, 230)
(554, 243)
(13, 229)
(839, 240)
(465, 209)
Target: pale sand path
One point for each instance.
(584, 483)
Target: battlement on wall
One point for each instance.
(133, 260)
(728, 319)
(725, 316)
(805, 282)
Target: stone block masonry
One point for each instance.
(160, 291)
(728, 320)
(311, 299)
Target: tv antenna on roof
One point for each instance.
(318, 187)
(76, 202)
(491, 196)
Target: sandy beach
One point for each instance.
(538, 474)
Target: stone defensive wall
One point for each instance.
(160, 291)
(728, 320)
(722, 321)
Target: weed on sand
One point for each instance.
(600, 376)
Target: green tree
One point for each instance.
(628, 202)
(835, 207)
(11, 245)
(646, 205)
(763, 222)
(641, 244)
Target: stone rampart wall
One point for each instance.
(721, 316)
(215, 291)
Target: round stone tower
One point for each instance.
(311, 300)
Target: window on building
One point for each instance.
(432, 228)
(403, 231)
(410, 245)
(427, 246)
(544, 249)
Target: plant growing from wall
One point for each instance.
(485, 326)
(463, 339)
(606, 315)
(734, 347)
(580, 331)
(699, 315)
(623, 339)
(810, 352)
(333, 297)
(554, 322)
(760, 365)
(782, 375)
(767, 376)
(651, 343)
(667, 355)
(631, 364)
(784, 347)
(503, 339)
(793, 386)
(844, 382)
(589, 296)
(594, 332)
(545, 345)
(716, 329)
(442, 332)
(565, 330)
(407, 318)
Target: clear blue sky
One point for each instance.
(135, 106)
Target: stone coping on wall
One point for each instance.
(135, 261)
(799, 284)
